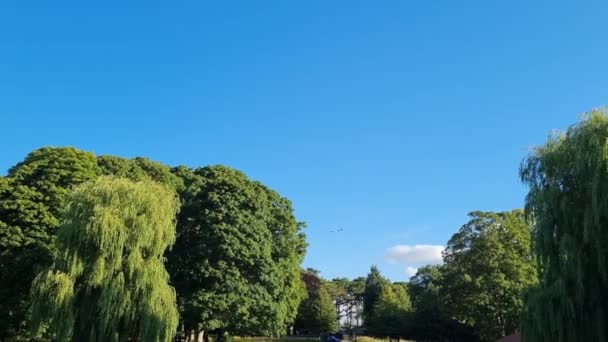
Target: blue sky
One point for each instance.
(389, 119)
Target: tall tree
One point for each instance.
(356, 290)
(306, 319)
(31, 199)
(108, 281)
(324, 309)
(338, 291)
(236, 260)
(488, 265)
(430, 320)
(373, 287)
(568, 206)
(391, 312)
(316, 314)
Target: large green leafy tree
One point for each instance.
(108, 281)
(391, 312)
(236, 260)
(288, 251)
(568, 206)
(306, 321)
(325, 312)
(31, 199)
(373, 287)
(316, 313)
(430, 320)
(488, 265)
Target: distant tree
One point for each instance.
(568, 206)
(108, 281)
(488, 266)
(391, 312)
(306, 321)
(316, 313)
(356, 290)
(430, 320)
(31, 199)
(373, 287)
(326, 314)
(338, 291)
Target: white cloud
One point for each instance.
(411, 271)
(416, 255)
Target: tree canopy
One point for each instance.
(391, 312)
(316, 313)
(488, 266)
(371, 293)
(32, 197)
(568, 206)
(33, 194)
(430, 319)
(236, 260)
(107, 281)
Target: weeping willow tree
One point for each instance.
(568, 204)
(108, 281)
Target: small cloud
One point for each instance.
(415, 255)
(411, 271)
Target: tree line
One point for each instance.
(541, 271)
(475, 295)
(104, 233)
(103, 248)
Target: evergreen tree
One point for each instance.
(107, 281)
(373, 287)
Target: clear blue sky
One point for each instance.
(389, 119)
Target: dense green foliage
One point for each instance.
(236, 261)
(33, 194)
(108, 281)
(31, 199)
(391, 312)
(235, 264)
(488, 265)
(316, 313)
(371, 293)
(430, 320)
(475, 295)
(139, 169)
(324, 310)
(568, 205)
